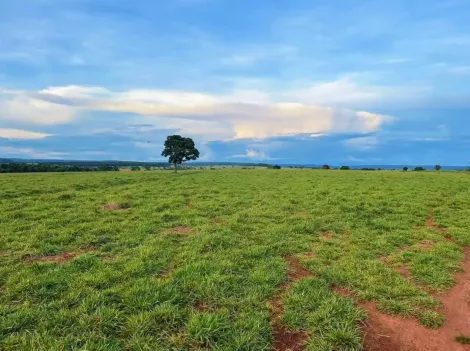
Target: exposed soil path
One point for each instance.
(286, 339)
(388, 333)
(432, 224)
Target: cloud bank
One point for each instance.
(239, 115)
(8, 133)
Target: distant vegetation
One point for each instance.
(9, 165)
(85, 163)
(46, 167)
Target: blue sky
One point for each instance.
(302, 81)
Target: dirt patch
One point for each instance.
(203, 307)
(301, 214)
(296, 269)
(60, 258)
(4, 252)
(217, 220)
(384, 259)
(426, 245)
(404, 271)
(114, 206)
(430, 223)
(342, 291)
(327, 235)
(388, 333)
(181, 230)
(286, 339)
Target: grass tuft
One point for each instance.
(463, 339)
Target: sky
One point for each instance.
(277, 81)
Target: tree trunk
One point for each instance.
(175, 168)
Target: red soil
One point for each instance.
(113, 206)
(389, 333)
(432, 224)
(286, 339)
(59, 258)
(181, 230)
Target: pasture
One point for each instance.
(233, 259)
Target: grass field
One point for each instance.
(206, 260)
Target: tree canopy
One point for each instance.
(179, 149)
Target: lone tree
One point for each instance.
(405, 169)
(179, 149)
(438, 167)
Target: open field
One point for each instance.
(234, 259)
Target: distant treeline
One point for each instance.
(81, 163)
(124, 164)
(48, 167)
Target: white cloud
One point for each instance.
(7, 133)
(24, 108)
(237, 115)
(75, 91)
(317, 135)
(253, 155)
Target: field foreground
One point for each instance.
(234, 259)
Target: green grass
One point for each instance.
(131, 283)
(463, 340)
